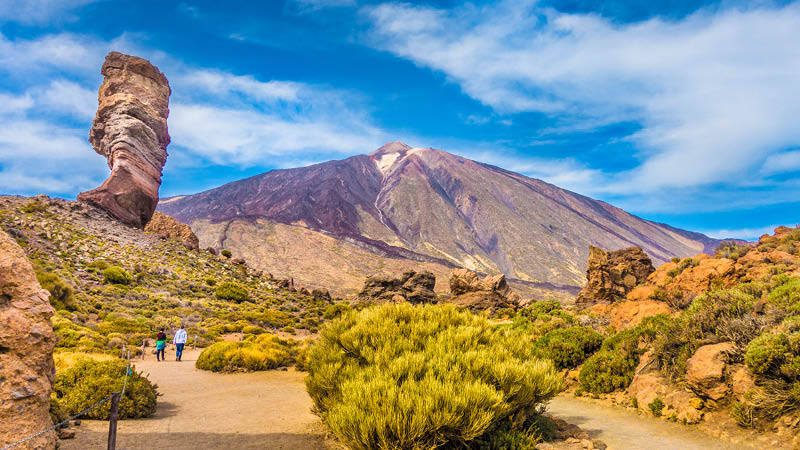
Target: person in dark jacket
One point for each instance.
(161, 344)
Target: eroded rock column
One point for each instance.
(130, 130)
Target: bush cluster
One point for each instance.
(233, 291)
(90, 381)
(399, 376)
(117, 275)
(61, 293)
(568, 347)
(263, 352)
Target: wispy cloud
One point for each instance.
(750, 234)
(40, 12)
(715, 93)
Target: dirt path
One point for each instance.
(203, 410)
(625, 430)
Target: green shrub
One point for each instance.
(226, 253)
(265, 352)
(568, 347)
(656, 406)
(211, 281)
(34, 206)
(612, 368)
(90, 381)
(398, 376)
(61, 293)
(233, 291)
(117, 275)
(767, 353)
(336, 310)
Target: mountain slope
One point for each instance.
(427, 205)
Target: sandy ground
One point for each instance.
(204, 410)
(622, 429)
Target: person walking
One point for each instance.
(161, 344)
(179, 340)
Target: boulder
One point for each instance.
(611, 275)
(413, 287)
(168, 227)
(130, 130)
(26, 351)
(472, 292)
(741, 381)
(705, 370)
(321, 295)
(628, 314)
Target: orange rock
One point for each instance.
(168, 227)
(628, 314)
(642, 292)
(705, 370)
(26, 351)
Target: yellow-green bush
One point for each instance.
(399, 376)
(263, 352)
(61, 293)
(230, 290)
(117, 275)
(90, 381)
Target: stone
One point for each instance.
(66, 433)
(166, 226)
(411, 286)
(628, 314)
(741, 381)
(705, 370)
(476, 294)
(130, 130)
(611, 275)
(26, 351)
(321, 295)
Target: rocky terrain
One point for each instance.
(401, 207)
(130, 131)
(26, 351)
(710, 339)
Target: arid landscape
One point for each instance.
(603, 255)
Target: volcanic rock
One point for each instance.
(26, 351)
(705, 370)
(170, 228)
(469, 291)
(321, 295)
(413, 287)
(130, 130)
(612, 274)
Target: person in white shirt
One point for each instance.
(179, 340)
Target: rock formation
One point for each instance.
(130, 130)
(477, 294)
(26, 351)
(413, 287)
(170, 228)
(612, 274)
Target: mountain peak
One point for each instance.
(391, 147)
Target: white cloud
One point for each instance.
(715, 93)
(40, 12)
(304, 6)
(782, 162)
(69, 98)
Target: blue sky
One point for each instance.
(678, 111)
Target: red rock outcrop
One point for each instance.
(170, 228)
(130, 130)
(613, 274)
(472, 292)
(26, 351)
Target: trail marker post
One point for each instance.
(112, 421)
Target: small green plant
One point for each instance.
(34, 206)
(117, 275)
(233, 291)
(568, 347)
(656, 406)
(211, 282)
(336, 310)
(226, 253)
(61, 293)
(90, 381)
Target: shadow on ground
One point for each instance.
(196, 441)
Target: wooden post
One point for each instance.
(194, 346)
(123, 351)
(143, 342)
(112, 421)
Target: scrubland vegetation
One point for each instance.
(399, 376)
